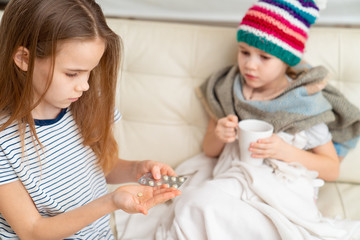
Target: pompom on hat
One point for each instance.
(279, 27)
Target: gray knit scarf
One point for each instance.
(306, 102)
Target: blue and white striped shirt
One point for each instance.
(62, 176)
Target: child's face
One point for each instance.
(260, 69)
(73, 63)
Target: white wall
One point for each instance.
(337, 12)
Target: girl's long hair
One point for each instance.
(38, 25)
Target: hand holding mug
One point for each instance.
(225, 128)
(251, 130)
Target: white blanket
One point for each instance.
(273, 201)
(235, 200)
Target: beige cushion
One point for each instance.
(340, 200)
(162, 117)
(336, 49)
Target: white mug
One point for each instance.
(251, 130)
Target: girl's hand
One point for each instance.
(225, 128)
(139, 199)
(156, 168)
(272, 147)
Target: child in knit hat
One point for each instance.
(274, 200)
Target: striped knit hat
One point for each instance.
(279, 27)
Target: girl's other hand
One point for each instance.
(139, 199)
(272, 147)
(226, 127)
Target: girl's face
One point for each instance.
(261, 70)
(74, 61)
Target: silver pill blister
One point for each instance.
(171, 181)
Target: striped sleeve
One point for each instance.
(117, 115)
(7, 174)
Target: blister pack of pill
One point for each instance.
(171, 181)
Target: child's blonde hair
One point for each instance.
(38, 25)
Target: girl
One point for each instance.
(59, 63)
(275, 200)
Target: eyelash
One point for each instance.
(262, 56)
(245, 53)
(71, 75)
